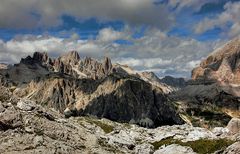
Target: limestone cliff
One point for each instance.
(124, 99)
(222, 65)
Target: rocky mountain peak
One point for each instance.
(38, 57)
(222, 65)
(107, 64)
(71, 57)
(150, 75)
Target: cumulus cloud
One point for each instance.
(109, 35)
(222, 20)
(48, 13)
(155, 51)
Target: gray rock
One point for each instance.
(10, 119)
(233, 149)
(67, 112)
(38, 141)
(25, 105)
(122, 139)
(144, 148)
(2, 109)
(218, 131)
(173, 149)
(234, 125)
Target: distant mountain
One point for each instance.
(174, 82)
(76, 86)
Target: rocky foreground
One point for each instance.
(26, 127)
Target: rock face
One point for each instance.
(214, 91)
(222, 65)
(149, 77)
(233, 149)
(87, 87)
(40, 64)
(124, 99)
(154, 80)
(70, 58)
(174, 82)
(95, 69)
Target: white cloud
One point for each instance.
(222, 20)
(109, 35)
(166, 55)
(48, 13)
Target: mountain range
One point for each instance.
(85, 87)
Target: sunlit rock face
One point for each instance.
(76, 86)
(222, 65)
(116, 98)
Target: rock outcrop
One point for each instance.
(154, 80)
(233, 149)
(77, 87)
(234, 126)
(40, 64)
(222, 65)
(173, 148)
(124, 99)
(94, 69)
(174, 82)
(71, 57)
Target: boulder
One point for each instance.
(144, 148)
(218, 131)
(10, 119)
(173, 149)
(234, 126)
(26, 105)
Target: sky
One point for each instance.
(167, 37)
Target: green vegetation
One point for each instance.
(105, 127)
(201, 146)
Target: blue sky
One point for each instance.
(170, 36)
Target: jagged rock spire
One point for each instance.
(38, 57)
(71, 57)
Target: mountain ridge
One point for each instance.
(76, 86)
